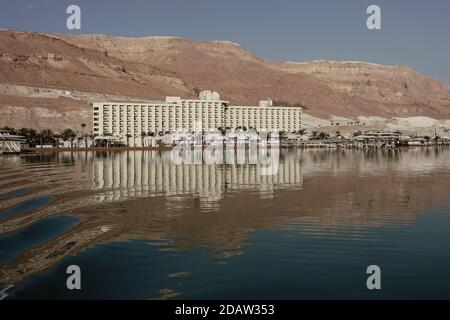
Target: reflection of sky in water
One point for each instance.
(271, 265)
(37, 233)
(162, 230)
(24, 207)
(18, 193)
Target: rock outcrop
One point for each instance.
(48, 80)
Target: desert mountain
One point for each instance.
(48, 80)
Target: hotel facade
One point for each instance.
(209, 112)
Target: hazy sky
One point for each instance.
(414, 32)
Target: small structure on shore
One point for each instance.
(10, 143)
(107, 141)
(379, 139)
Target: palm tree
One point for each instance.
(301, 132)
(143, 135)
(69, 134)
(85, 136)
(57, 136)
(91, 136)
(436, 139)
(108, 141)
(46, 136)
(323, 136)
(222, 130)
(30, 135)
(72, 137)
(41, 142)
(128, 136)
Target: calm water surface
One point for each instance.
(141, 227)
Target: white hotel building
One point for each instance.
(186, 115)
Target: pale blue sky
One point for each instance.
(414, 32)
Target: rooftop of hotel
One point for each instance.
(204, 96)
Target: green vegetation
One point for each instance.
(69, 134)
(47, 136)
(320, 136)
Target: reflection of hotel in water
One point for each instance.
(146, 173)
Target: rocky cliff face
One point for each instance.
(399, 88)
(48, 80)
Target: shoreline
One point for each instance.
(93, 149)
(119, 149)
